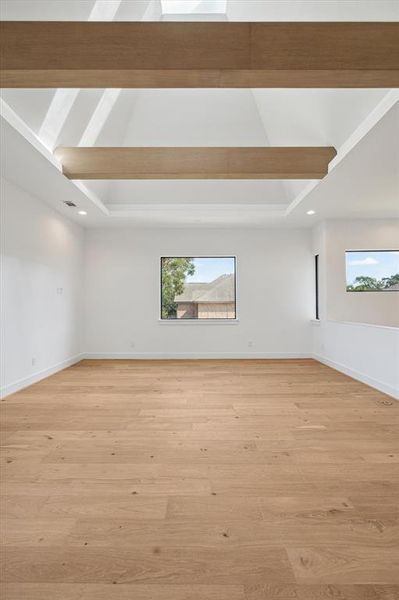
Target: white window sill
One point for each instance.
(198, 322)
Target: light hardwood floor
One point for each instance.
(200, 480)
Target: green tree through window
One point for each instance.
(372, 270)
(371, 284)
(173, 275)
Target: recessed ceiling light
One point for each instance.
(311, 212)
(82, 212)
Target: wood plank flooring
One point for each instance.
(200, 480)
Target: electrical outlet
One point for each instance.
(33, 361)
(250, 344)
(132, 345)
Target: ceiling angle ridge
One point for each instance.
(23, 129)
(370, 121)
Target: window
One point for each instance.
(198, 288)
(372, 270)
(316, 276)
(193, 6)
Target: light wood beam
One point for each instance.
(195, 163)
(195, 55)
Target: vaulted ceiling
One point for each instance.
(234, 10)
(37, 121)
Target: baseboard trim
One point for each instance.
(16, 386)
(374, 383)
(195, 355)
(35, 377)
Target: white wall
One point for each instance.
(367, 307)
(42, 254)
(275, 293)
(110, 277)
(358, 334)
(369, 353)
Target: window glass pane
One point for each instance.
(372, 271)
(198, 287)
(193, 6)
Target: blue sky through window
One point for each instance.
(371, 264)
(208, 269)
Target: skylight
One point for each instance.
(176, 7)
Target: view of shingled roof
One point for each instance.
(219, 290)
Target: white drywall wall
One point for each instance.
(358, 333)
(274, 287)
(376, 308)
(42, 289)
(109, 303)
(369, 353)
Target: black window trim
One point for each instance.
(367, 291)
(317, 286)
(212, 319)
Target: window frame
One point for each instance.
(366, 291)
(317, 286)
(212, 320)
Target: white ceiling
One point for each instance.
(236, 10)
(216, 117)
(199, 117)
(364, 183)
(312, 10)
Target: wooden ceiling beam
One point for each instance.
(195, 163)
(196, 55)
